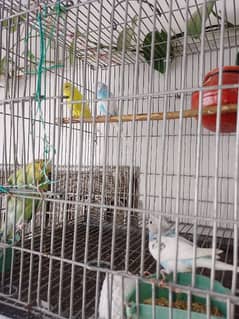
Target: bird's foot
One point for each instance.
(161, 282)
(10, 195)
(163, 274)
(147, 273)
(20, 227)
(40, 191)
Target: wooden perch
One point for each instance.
(211, 110)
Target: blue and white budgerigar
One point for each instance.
(105, 107)
(113, 296)
(168, 248)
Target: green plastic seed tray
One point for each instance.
(163, 312)
(8, 259)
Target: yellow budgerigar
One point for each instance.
(73, 94)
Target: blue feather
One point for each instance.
(152, 236)
(102, 108)
(103, 92)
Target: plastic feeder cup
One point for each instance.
(230, 75)
(8, 260)
(161, 312)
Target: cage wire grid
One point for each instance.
(109, 178)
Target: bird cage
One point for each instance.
(119, 159)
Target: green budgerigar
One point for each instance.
(19, 210)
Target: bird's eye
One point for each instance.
(150, 222)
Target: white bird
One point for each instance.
(168, 246)
(114, 300)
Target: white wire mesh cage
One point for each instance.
(119, 157)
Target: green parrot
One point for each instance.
(160, 49)
(129, 35)
(24, 206)
(31, 180)
(194, 24)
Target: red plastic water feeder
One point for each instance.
(230, 75)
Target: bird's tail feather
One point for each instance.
(119, 131)
(219, 265)
(208, 253)
(203, 252)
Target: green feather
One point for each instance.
(194, 25)
(160, 50)
(23, 211)
(30, 171)
(129, 35)
(3, 64)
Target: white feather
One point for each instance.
(114, 299)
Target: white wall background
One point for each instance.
(149, 153)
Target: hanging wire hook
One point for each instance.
(115, 23)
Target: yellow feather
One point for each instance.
(37, 168)
(75, 95)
